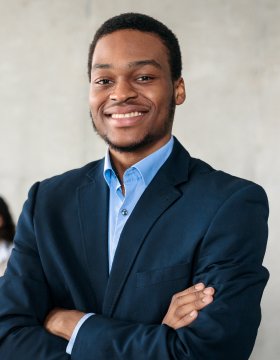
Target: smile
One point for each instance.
(127, 115)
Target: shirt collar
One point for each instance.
(150, 165)
(108, 171)
(147, 167)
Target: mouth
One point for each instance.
(126, 115)
(124, 118)
(127, 120)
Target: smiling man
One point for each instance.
(147, 253)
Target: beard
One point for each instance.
(148, 139)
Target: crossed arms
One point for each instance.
(183, 310)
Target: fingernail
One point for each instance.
(207, 299)
(199, 286)
(208, 291)
(193, 313)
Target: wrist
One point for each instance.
(69, 322)
(61, 322)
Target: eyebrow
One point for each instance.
(144, 62)
(132, 64)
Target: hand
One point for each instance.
(184, 306)
(61, 322)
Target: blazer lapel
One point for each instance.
(160, 194)
(93, 211)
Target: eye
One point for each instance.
(103, 82)
(145, 78)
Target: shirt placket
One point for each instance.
(124, 207)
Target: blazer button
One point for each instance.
(124, 212)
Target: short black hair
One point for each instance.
(145, 23)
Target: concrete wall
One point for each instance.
(231, 52)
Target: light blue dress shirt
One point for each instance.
(135, 180)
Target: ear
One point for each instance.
(180, 91)
(1, 221)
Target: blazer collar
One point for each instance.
(93, 200)
(176, 169)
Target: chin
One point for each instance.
(130, 146)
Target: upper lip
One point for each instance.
(125, 109)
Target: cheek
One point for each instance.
(161, 96)
(162, 105)
(95, 102)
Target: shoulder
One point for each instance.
(64, 184)
(73, 177)
(203, 176)
(202, 183)
(75, 174)
(218, 186)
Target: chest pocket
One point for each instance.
(170, 273)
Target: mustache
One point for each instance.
(128, 102)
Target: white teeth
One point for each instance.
(127, 115)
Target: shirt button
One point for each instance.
(124, 212)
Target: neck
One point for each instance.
(121, 161)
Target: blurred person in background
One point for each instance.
(7, 232)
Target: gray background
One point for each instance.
(231, 53)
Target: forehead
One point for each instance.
(124, 46)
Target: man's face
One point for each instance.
(132, 95)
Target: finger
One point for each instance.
(198, 304)
(209, 291)
(186, 320)
(194, 288)
(192, 297)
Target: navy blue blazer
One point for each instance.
(192, 224)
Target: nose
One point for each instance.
(123, 91)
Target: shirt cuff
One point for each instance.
(75, 332)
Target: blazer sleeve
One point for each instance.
(229, 258)
(25, 299)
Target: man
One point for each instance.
(148, 253)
